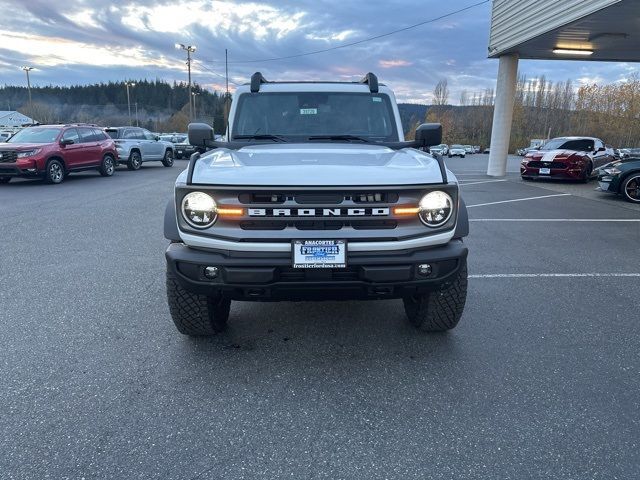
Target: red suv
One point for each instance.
(53, 151)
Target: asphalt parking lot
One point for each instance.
(539, 380)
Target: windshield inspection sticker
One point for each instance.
(376, 99)
(308, 111)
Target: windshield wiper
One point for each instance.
(265, 136)
(340, 137)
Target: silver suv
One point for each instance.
(137, 145)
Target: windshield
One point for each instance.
(305, 114)
(579, 145)
(457, 146)
(35, 135)
(174, 138)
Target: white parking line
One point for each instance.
(612, 220)
(519, 199)
(484, 181)
(561, 275)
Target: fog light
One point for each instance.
(424, 269)
(211, 272)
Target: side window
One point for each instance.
(148, 135)
(99, 135)
(71, 134)
(86, 135)
(129, 133)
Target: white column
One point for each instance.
(503, 115)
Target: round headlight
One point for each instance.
(199, 209)
(435, 208)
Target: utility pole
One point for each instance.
(27, 70)
(189, 49)
(195, 114)
(226, 96)
(137, 123)
(130, 84)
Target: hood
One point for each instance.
(550, 155)
(22, 146)
(316, 164)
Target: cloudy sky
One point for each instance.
(88, 41)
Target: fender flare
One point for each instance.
(170, 224)
(462, 227)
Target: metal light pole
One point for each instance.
(189, 49)
(195, 114)
(129, 84)
(27, 70)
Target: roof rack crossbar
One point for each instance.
(256, 80)
(371, 80)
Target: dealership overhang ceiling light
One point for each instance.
(572, 51)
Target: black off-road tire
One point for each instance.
(5, 180)
(135, 160)
(167, 161)
(54, 172)
(108, 166)
(196, 315)
(440, 310)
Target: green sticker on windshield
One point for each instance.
(376, 99)
(308, 111)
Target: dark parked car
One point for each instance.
(182, 147)
(52, 152)
(621, 177)
(569, 158)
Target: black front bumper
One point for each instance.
(12, 170)
(256, 276)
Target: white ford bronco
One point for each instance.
(315, 195)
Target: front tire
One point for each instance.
(167, 161)
(193, 314)
(135, 161)
(440, 310)
(108, 166)
(631, 188)
(586, 176)
(4, 180)
(54, 172)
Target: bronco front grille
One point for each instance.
(8, 156)
(319, 224)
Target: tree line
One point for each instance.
(160, 106)
(543, 109)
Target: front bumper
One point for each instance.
(19, 170)
(259, 276)
(569, 173)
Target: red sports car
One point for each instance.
(568, 158)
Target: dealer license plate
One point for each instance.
(319, 254)
(545, 171)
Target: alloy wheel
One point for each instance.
(632, 189)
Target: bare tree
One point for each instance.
(441, 93)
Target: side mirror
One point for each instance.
(66, 141)
(200, 134)
(429, 135)
(601, 149)
(156, 137)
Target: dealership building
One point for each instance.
(595, 30)
(10, 119)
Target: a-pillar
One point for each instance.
(503, 115)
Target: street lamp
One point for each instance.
(195, 114)
(27, 70)
(129, 84)
(189, 49)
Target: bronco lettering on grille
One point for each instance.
(318, 212)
